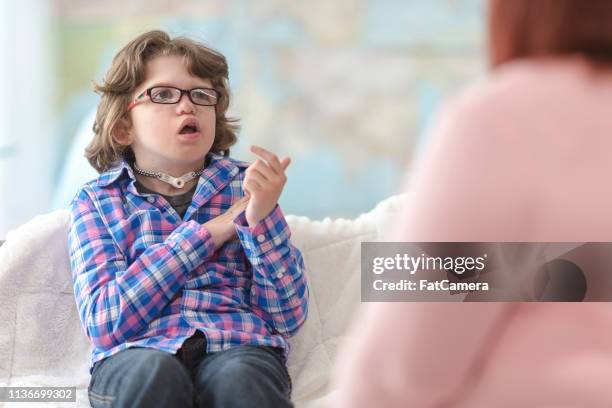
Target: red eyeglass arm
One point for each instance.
(132, 104)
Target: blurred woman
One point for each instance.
(524, 155)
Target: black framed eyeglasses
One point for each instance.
(170, 95)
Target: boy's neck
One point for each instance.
(162, 187)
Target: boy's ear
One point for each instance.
(123, 132)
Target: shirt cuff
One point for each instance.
(193, 241)
(269, 233)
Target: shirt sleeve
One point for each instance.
(279, 293)
(115, 300)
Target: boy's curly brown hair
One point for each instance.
(127, 72)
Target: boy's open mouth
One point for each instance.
(188, 129)
(189, 126)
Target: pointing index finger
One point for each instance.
(268, 157)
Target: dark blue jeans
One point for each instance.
(244, 376)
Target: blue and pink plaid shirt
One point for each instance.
(144, 277)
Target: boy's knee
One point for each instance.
(159, 374)
(243, 375)
(235, 367)
(237, 371)
(143, 377)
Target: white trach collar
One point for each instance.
(176, 182)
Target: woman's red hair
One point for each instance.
(529, 28)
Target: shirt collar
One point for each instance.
(110, 176)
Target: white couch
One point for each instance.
(42, 341)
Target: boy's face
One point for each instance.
(155, 135)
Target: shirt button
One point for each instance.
(261, 238)
(151, 199)
(279, 275)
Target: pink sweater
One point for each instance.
(525, 155)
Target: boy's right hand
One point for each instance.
(222, 227)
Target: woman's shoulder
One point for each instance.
(525, 85)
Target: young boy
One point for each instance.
(185, 278)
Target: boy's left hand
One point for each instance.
(263, 183)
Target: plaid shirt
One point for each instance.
(144, 277)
